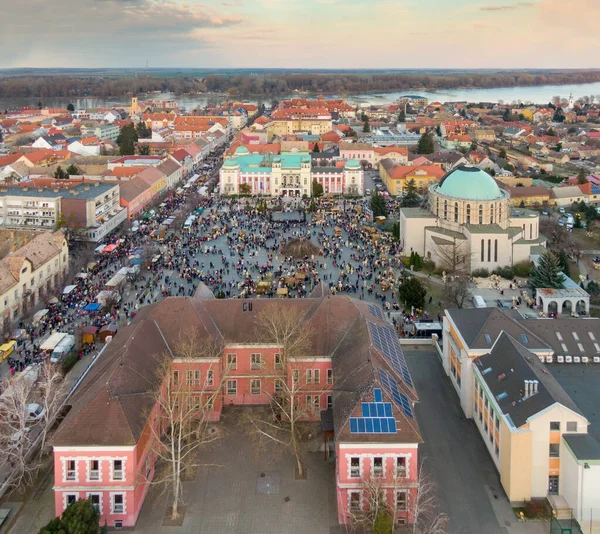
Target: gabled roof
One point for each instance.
(505, 369)
(112, 405)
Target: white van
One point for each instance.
(63, 348)
(478, 301)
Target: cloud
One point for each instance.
(508, 7)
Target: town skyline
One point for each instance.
(319, 34)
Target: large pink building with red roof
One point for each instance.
(355, 381)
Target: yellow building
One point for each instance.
(395, 177)
(496, 362)
(36, 265)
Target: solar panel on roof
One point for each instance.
(377, 393)
(386, 341)
(401, 400)
(377, 417)
(376, 311)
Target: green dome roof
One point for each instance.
(352, 164)
(469, 183)
(241, 150)
(230, 163)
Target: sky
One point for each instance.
(301, 33)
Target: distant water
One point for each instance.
(536, 95)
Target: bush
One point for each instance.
(522, 269)
(406, 261)
(505, 272)
(536, 509)
(480, 273)
(593, 288)
(69, 362)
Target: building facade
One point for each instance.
(286, 175)
(37, 264)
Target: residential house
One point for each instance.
(456, 141)
(533, 195)
(135, 194)
(566, 195)
(395, 153)
(395, 177)
(446, 160)
(482, 136)
(36, 264)
(154, 178)
(362, 152)
(172, 170)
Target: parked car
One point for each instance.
(34, 412)
(545, 212)
(561, 210)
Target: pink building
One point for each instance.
(103, 448)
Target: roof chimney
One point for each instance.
(534, 385)
(527, 386)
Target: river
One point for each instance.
(537, 95)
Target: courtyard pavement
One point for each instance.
(454, 454)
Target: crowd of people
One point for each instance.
(233, 246)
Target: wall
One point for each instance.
(516, 463)
(366, 452)
(542, 464)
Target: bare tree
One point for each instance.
(53, 390)
(457, 290)
(454, 256)
(382, 506)
(283, 326)
(16, 434)
(423, 507)
(182, 414)
(377, 512)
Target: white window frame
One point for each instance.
(360, 500)
(379, 472)
(66, 499)
(234, 389)
(113, 471)
(317, 376)
(210, 378)
(113, 509)
(278, 386)
(67, 471)
(295, 376)
(397, 469)
(309, 376)
(91, 494)
(255, 365)
(278, 360)
(253, 382)
(330, 376)
(405, 493)
(89, 470)
(231, 359)
(351, 472)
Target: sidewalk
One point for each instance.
(507, 519)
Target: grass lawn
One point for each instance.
(584, 242)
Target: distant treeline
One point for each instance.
(278, 84)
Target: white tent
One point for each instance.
(68, 289)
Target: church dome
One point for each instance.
(352, 164)
(470, 183)
(241, 151)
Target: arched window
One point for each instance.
(495, 250)
(500, 213)
(445, 209)
(437, 206)
(456, 212)
(491, 214)
(468, 213)
(489, 250)
(482, 250)
(480, 213)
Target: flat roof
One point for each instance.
(48, 192)
(567, 292)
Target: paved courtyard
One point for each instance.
(468, 483)
(231, 497)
